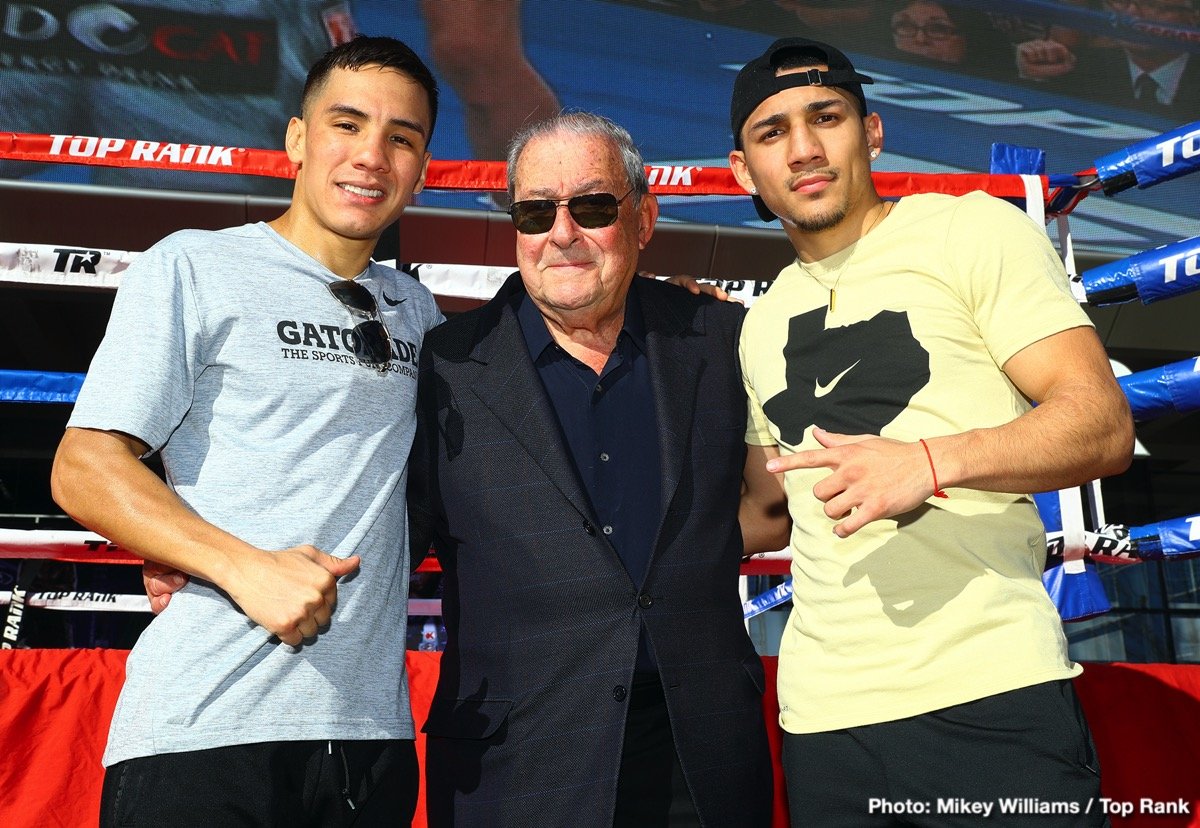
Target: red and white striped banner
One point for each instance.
(665, 179)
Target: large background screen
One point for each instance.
(951, 79)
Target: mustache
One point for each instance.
(832, 173)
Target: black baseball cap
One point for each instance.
(758, 80)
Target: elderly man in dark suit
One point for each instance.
(578, 463)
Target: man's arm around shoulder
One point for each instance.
(99, 480)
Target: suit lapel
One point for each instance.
(509, 386)
(675, 369)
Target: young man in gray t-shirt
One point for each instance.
(274, 367)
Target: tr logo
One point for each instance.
(76, 260)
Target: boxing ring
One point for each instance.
(55, 705)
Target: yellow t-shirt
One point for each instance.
(945, 604)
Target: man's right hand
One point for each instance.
(290, 593)
(694, 286)
(1043, 60)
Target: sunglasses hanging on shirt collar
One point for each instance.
(372, 342)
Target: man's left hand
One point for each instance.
(870, 477)
(160, 583)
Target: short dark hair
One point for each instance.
(384, 52)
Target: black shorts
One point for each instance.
(367, 783)
(1024, 757)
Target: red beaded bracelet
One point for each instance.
(936, 491)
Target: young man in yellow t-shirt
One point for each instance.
(923, 670)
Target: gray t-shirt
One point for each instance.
(226, 351)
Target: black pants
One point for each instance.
(326, 784)
(651, 790)
(1019, 758)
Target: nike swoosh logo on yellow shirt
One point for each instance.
(822, 390)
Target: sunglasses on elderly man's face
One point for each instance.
(590, 211)
(372, 342)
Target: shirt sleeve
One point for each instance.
(142, 377)
(1012, 278)
(758, 428)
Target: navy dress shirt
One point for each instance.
(610, 428)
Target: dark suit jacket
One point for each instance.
(1103, 75)
(527, 722)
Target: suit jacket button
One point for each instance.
(645, 601)
(619, 693)
(587, 527)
